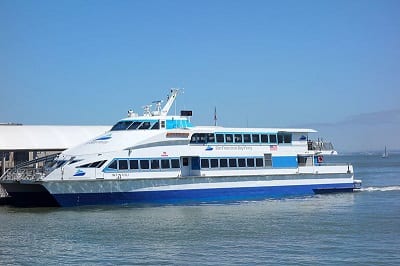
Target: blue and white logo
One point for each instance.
(105, 137)
(79, 172)
(209, 148)
(303, 137)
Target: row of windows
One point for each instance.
(137, 125)
(124, 164)
(203, 138)
(237, 162)
(97, 164)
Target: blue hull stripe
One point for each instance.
(194, 196)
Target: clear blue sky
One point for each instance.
(262, 63)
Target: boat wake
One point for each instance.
(388, 188)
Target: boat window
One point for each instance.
(121, 125)
(144, 164)
(133, 164)
(228, 138)
(267, 159)
(264, 138)
(210, 138)
(259, 162)
(272, 138)
(134, 125)
(246, 138)
(242, 162)
(223, 162)
(280, 138)
(122, 164)
(214, 163)
(165, 164)
(163, 124)
(198, 138)
(155, 164)
(113, 165)
(175, 163)
(156, 125)
(256, 138)
(97, 164)
(205, 163)
(250, 162)
(287, 138)
(232, 162)
(145, 125)
(220, 138)
(238, 138)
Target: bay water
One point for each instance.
(360, 228)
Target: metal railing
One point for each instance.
(29, 170)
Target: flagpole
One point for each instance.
(215, 116)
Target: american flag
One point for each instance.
(273, 147)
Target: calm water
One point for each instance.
(360, 228)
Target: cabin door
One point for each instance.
(190, 166)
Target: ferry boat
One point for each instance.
(156, 158)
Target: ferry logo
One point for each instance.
(209, 148)
(79, 173)
(105, 137)
(303, 137)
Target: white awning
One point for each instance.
(46, 137)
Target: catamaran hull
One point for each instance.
(174, 191)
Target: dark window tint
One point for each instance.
(287, 138)
(238, 138)
(113, 165)
(144, 164)
(123, 164)
(246, 138)
(259, 162)
(250, 162)
(122, 125)
(165, 163)
(214, 163)
(228, 138)
(232, 162)
(156, 125)
(210, 138)
(145, 125)
(220, 138)
(155, 164)
(264, 138)
(204, 163)
(199, 138)
(223, 163)
(175, 163)
(256, 138)
(242, 162)
(272, 138)
(133, 164)
(134, 125)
